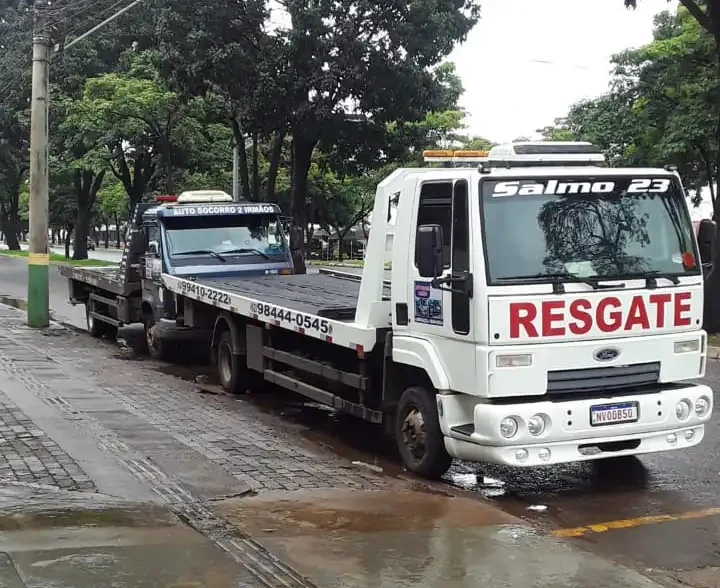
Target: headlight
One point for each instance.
(515, 360)
(689, 346)
(508, 427)
(702, 406)
(682, 409)
(536, 425)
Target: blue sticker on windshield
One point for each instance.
(428, 304)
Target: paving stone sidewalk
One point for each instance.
(29, 457)
(157, 424)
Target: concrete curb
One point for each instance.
(713, 352)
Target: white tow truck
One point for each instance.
(541, 308)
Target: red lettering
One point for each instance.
(583, 319)
(611, 321)
(549, 316)
(682, 306)
(522, 314)
(637, 315)
(660, 300)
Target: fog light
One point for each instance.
(536, 425)
(682, 410)
(521, 454)
(702, 406)
(671, 438)
(689, 346)
(516, 360)
(689, 435)
(544, 454)
(508, 427)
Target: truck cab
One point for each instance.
(205, 233)
(554, 304)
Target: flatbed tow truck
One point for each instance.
(201, 232)
(541, 308)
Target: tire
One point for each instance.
(420, 442)
(231, 368)
(98, 328)
(94, 326)
(156, 348)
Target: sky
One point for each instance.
(510, 88)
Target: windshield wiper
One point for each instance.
(245, 250)
(651, 277)
(558, 279)
(203, 252)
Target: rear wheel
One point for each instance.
(418, 434)
(98, 328)
(93, 325)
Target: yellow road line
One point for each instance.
(636, 522)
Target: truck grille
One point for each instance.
(602, 378)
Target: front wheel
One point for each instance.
(418, 435)
(156, 348)
(231, 368)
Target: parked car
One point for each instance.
(90, 244)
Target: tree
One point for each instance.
(336, 59)
(15, 27)
(137, 126)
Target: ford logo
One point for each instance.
(606, 354)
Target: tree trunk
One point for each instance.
(117, 230)
(11, 227)
(239, 137)
(255, 170)
(68, 236)
(711, 310)
(275, 158)
(87, 185)
(301, 155)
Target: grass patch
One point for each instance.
(60, 259)
(714, 340)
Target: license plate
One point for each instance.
(613, 414)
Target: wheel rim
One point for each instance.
(414, 435)
(225, 364)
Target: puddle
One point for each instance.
(323, 512)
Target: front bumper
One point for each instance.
(472, 429)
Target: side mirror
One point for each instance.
(139, 242)
(705, 238)
(430, 251)
(297, 238)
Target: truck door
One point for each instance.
(442, 316)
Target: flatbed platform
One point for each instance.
(105, 278)
(318, 294)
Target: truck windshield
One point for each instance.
(254, 238)
(580, 228)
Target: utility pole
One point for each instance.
(38, 300)
(38, 308)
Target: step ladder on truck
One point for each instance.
(542, 308)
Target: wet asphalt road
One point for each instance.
(679, 490)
